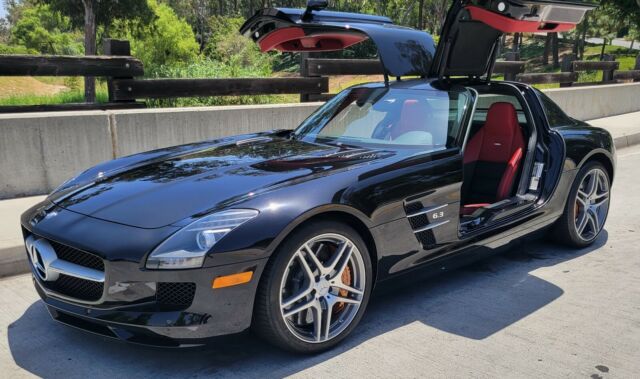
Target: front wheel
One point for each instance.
(315, 290)
(587, 207)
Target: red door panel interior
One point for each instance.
(509, 25)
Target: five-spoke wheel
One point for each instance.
(314, 291)
(322, 288)
(587, 207)
(592, 204)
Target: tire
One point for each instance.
(285, 278)
(569, 229)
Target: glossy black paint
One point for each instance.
(123, 209)
(403, 51)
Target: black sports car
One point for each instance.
(288, 231)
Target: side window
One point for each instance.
(485, 100)
(555, 115)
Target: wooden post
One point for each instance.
(120, 48)
(304, 72)
(512, 56)
(567, 66)
(637, 67)
(607, 75)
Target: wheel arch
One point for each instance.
(603, 157)
(344, 214)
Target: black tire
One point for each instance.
(268, 321)
(565, 229)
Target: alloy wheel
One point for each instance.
(592, 204)
(322, 288)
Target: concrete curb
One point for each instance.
(627, 141)
(13, 259)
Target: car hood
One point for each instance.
(171, 188)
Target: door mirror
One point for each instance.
(314, 5)
(317, 5)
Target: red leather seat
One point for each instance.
(492, 159)
(414, 116)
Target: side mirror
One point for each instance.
(316, 5)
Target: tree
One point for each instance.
(4, 30)
(93, 14)
(605, 25)
(45, 31)
(167, 40)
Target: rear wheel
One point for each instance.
(587, 207)
(315, 290)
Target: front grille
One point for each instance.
(70, 286)
(175, 294)
(81, 289)
(79, 257)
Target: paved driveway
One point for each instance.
(537, 311)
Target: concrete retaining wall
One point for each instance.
(40, 151)
(587, 103)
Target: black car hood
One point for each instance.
(168, 189)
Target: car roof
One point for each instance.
(419, 84)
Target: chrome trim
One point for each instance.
(427, 210)
(48, 267)
(77, 271)
(431, 226)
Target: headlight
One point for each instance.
(188, 247)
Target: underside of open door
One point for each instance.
(468, 43)
(469, 40)
(402, 51)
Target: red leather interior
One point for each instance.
(468, 209)
(295, 39)
(509, 25)
(412, 117)
(499, 140)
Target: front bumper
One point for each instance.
(212, 313)
(128, 305)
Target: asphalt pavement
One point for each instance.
(536, 311)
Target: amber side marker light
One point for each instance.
(232, 280)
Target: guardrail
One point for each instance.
(122, 72)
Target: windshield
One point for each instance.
(386, 117)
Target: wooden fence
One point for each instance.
(122, 72)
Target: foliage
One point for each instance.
(167, 40)
(208, 68)
(106, 12)
(46, 31)
(66, 97)
(4, 30)
(15, 49)
(226, 45)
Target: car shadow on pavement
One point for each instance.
(473, 302)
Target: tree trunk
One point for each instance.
(516, 42)
(89, 47)
(555, 49)
(421, 15)
(547, 49)
(604, 45)
(583, 35)
(632, 42)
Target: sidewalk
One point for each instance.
(624, 128)
(12, 253)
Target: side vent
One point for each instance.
(422, 226)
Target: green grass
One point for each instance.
(66, 97)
